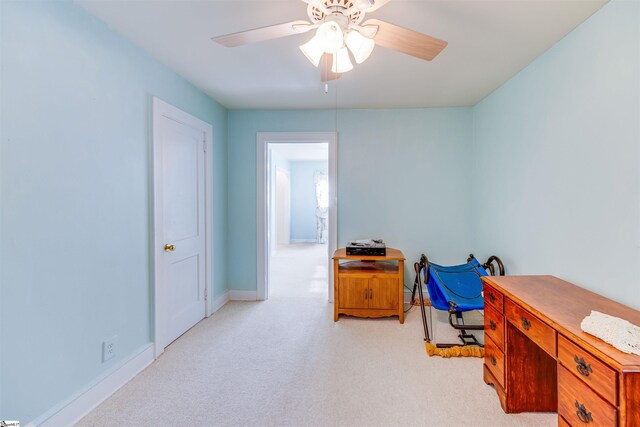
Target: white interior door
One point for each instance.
(180, 223)
(283, 207)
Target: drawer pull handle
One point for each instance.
(366, 294)
(491, 297)
(492, 325)
(582, 367)
(493, 360)
(525, 323)
(582, 413)
(370, 293)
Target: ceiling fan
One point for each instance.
(339, 30)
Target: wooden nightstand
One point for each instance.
(368, 286)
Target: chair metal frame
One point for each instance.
(465, 337)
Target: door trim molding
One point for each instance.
(164, 109)
(262, 141)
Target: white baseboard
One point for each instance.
(304, 241)
(72, 410)
(220, 301)
(243, 295)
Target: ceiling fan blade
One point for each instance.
(406, 41)
(264, 33)
(325, 68)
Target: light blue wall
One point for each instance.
(303, 198)
(403, 175)
(75, 192)
(557, 152)
(544, 172)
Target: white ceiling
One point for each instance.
(302, 152)
(489, 42)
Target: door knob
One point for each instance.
(169, 248)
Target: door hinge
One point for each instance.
(206, 293)
(204, 146)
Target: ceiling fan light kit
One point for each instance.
(339, 33)
(341, 61)
(313, 50)
(330, 36)
(340, 30)
(360, 46)
(330, 39)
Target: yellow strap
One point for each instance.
(457, 351)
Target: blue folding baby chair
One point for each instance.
(456, 289)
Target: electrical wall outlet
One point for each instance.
(109, 348)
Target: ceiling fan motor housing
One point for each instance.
(341, 20)
(345, 8)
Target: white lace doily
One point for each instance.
(620, 333)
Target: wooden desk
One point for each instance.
(368, 286)
(539, 360)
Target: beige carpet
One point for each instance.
(284, 362)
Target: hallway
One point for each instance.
(299, 270)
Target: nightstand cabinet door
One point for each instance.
(384, 293)
(353, 292)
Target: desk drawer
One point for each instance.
(587, 368)
(493, 297)
(579, 405)
(494, 326)
(494, 359)
(534, 328)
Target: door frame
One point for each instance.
(162, 109)
(262, 215)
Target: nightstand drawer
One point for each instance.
(534, 328)
(593, 372)
(494, 326)
(579, 405)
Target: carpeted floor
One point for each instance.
(284, 362)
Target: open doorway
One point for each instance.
(297, 214)
(298, 219)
